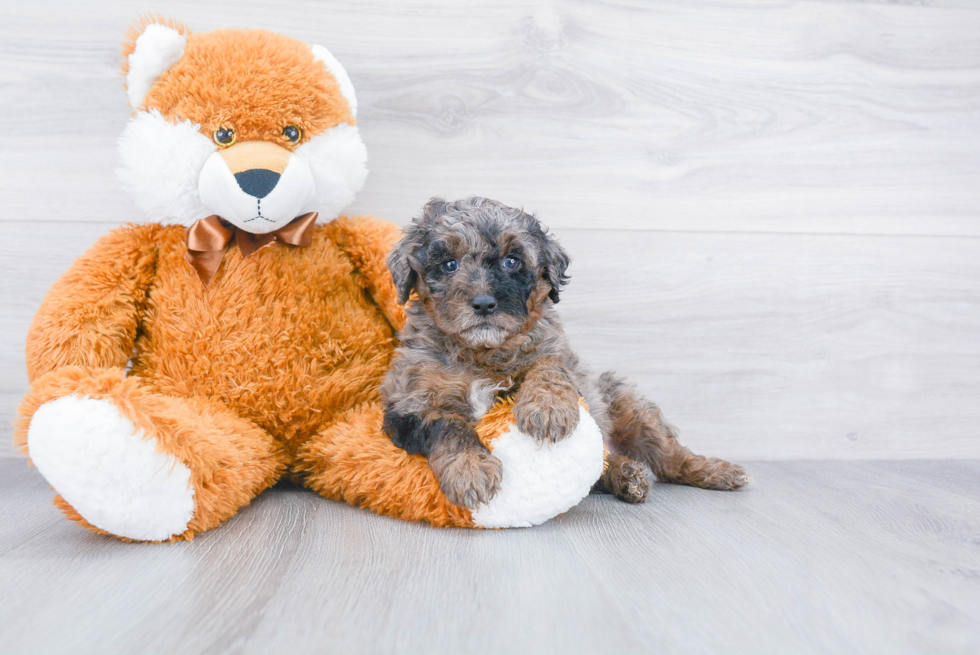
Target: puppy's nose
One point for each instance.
(484, 305)
(258, 182)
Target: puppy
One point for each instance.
(483, 322)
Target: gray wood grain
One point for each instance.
(771, 206)
(759, 346)
(858, 117)
(814, 557)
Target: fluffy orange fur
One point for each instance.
(272, 369)
(285, 85)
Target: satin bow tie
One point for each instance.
(209, 238)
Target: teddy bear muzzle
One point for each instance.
(256, 186)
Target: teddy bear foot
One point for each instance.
(539, 481)
(109, 471)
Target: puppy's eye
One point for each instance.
(450, 266)
(224, 136)
(511, 263)
(292, 133)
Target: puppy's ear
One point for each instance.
(556, 261)
(552, 258)
(432, 210)
(403, 258)
(400, 265)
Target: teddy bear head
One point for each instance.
(252, 126)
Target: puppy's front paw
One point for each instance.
(467, 475)
(548, 414)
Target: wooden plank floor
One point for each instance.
(814, 557)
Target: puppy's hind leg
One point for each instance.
(638, 430)
(624, 478)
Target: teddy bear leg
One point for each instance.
(139, 465)
(352, 460)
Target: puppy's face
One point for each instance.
(477, 285)
(482, 270)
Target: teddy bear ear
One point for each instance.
(153, 45)
(324, 55)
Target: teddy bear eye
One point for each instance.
(292, 133)
(450, 266)
(224, 136)
(511, 263)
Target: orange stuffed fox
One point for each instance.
(183, 365)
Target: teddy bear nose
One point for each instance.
(258, 182)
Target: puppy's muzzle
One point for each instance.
(484, 304)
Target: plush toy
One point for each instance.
(183, 365)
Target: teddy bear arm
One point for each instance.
(367, 241)
(352, 460)
(90, 316)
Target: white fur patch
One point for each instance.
(157, 49)
(540, 482)
(222, 195)
(108, 470)
(338, 160)
(339, 74)
(163, 165)
(482, 395)
(160, 166)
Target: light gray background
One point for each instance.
(772, 207)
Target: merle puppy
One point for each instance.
(483, 322)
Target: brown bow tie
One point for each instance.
(209, 238)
